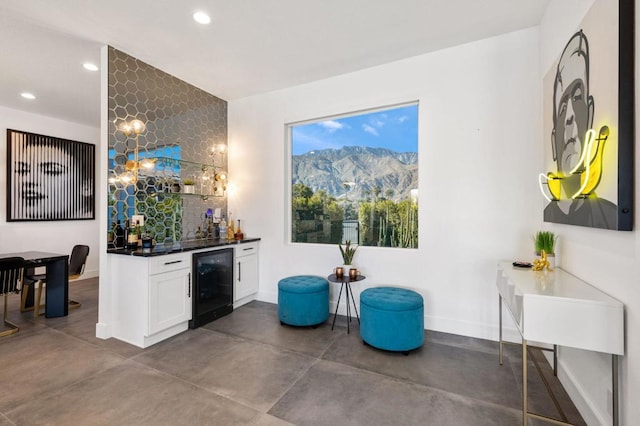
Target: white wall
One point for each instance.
(479, 128)
(59, 236)
(609, 260)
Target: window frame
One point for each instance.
(288, 136)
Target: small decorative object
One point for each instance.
(542, 263)
(347, 252)
(339, 271)
(147, 241)
(353, 273)
(188, 186)
(175, 187)
(238, 235)
(546, 241)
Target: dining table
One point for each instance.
(57, 272)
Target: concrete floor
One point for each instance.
(246, 368)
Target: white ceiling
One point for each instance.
(251, 46)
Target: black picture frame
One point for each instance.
(616, 209)
(49, 178)
(626, 114)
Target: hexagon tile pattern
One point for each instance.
(183, 123)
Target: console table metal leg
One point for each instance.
(614, 388)
(524, 382)
(500, 327)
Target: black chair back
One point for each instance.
(11, 271)
(78, 259)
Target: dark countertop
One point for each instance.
(180, 246)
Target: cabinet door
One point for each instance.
(169, 299)
(246, 276)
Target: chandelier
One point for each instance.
(132, 167)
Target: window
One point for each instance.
(355, 177)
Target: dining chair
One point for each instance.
(11, 273)
(77, 262)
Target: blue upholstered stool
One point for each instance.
(392, 318)
(303, 300)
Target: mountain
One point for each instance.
(368, 168)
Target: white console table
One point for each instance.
(557, 308)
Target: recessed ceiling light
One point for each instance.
(201, 18)
(89, 66)
(28, 95)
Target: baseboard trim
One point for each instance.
(90, 274)
(103, 331)
(579, 397)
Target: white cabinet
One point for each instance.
(169, 298)
(245, 273)
(151, 297)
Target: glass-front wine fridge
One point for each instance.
(212, 286)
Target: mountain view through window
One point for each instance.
(355, 178)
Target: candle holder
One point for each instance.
(353, 273)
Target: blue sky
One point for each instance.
(395, 129)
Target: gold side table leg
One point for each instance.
(614, 388)
(500, 326)
(524, 382)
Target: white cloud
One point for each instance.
(370, 129)
(331, 125)
(376, 122)
(403, 119)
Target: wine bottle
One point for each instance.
(132, 237)
(119, 235)
(138, 231)
(127, 231)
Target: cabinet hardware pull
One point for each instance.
(247, 249)
(239, 272)
(189, 286)
(172, 262)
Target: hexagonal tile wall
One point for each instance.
(182, 125)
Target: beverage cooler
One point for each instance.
(212, 286)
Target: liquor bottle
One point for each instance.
(239, 235)
(138, 233)
(223, 227)
(126, 234)
(230, 229)
(118, 238)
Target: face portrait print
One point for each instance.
(573, 114)
(51, 180)
(573, 109)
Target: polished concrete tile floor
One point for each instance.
(246, 368)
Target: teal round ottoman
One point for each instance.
(392, 318)
(303, 300)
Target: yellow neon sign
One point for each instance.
(589, 168)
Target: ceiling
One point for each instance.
(250, 47)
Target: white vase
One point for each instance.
(189, 189)
(551, 258)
